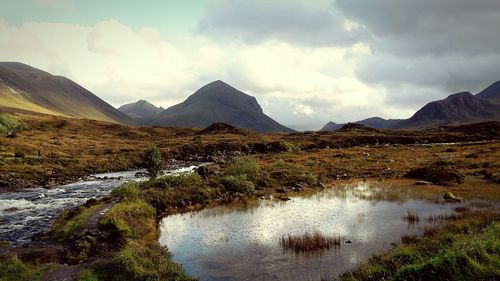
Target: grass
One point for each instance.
(14, 269)
(465, 250)
(132, 220)
(10, 124)
(152, 262)
(71, 220)
(87, 275)
(137, 261)
(309, 242)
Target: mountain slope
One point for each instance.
(492, 93)
(140, 109)
(218, 102)
(373, 122)
(379, 123)
(461, 108)
(28, 88)
(330, 127)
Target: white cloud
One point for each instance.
(301, 109)
(303, 87)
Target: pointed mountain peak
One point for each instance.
(140, 109)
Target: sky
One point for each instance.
(306, 61)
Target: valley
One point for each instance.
(109, 235)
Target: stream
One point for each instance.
(25, 213)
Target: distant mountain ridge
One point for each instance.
(460, 108)
(373, 122)
(28, 88)
(140, 109)
(218, 102)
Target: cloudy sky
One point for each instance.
(306, 61)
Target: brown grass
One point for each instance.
(309, 242)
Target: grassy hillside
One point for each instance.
(27, 88)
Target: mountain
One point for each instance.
(461, 108)
(492, 93)
(140, 109)
(27, 88)
(331, 126)
(373, 122)
(379, 123)
(218, 102)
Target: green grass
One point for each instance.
(151, 262)
(463, 251)
(132, 220)
(10, 124)
(14, 269)
(136, 261)
(69, 221)
(238, 184)
(87, 275)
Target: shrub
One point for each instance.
(175, 191)
(10, 124)
(238, 184)
(289, 147)
(150, 262)
(133, 220)
(127, 192)
(153, 162)
(244, 166)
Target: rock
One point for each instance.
(141, 175)
(450, 197)
(284, 198)
(209, 170)
(437, 173)
(422, 183)
(348, 242)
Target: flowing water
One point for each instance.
(25, 213)
(241, 241)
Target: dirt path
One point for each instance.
(92, 223)
(63, 273)
(70, 272)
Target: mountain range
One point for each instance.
(26, 88)
(460, 108)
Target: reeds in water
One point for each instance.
(309, 242)
(411, 217)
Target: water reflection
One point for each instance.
(241, 241)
